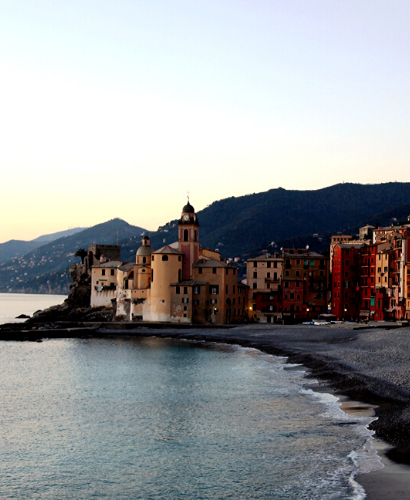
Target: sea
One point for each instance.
(15, 304)
(151, 419)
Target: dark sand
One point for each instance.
(370, 365)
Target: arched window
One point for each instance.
(179, 274)
(144, 260)
(165, 257)
(186, 234)
(196, 235)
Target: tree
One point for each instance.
(82, 253)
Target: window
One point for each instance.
(214, 289)
(268, 275)
(144, 260)
(269, 264)
(214, 270)
(197, 290)
(185, 234)
(255, 274)
(255, 264)
(103, 272)
(286, 273)
(254, 285)
(177, 290)
(275, 264)
(165, 257)
(112, 272)
(292, 296)
(234, 289)
(200, 270)
(286, 284)
(298, 274)
(226, 271)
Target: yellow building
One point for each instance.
(264, 274)
(104, 283)
(180, 283)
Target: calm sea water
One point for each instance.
(158, 419)
(14, 304)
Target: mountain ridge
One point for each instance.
(237, 226)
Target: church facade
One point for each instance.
(181, 282)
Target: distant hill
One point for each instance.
(46, 238)
(239, 227)
(17, 248)
(45, 269)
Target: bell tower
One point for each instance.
(188, 242)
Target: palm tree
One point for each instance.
(82, 253)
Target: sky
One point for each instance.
(120, 108)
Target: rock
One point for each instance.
(80, 289)
(22, 316)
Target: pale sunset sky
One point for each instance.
(119, 108)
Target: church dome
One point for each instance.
(188, 209)
(145, 248)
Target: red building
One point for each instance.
(346, 274)
(304, 284)
(368, 281)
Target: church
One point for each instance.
(180, 283)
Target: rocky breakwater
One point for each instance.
(72, 316)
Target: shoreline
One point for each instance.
(369, 366)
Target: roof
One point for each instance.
(266, 257)
(190, 283)
(167, 249)
(188, 209)
(306, 255)
(145, 250)
(213, 263)
(126, 266)
(109, 264)
(350, 245)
